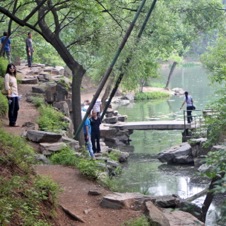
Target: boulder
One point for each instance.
(155, 215)
(50, 148)
(116, 200)
(29, 80)
(42, 136)
(178, 218)
(63, 107)
(73, 144)
(180, 154)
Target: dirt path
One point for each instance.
(75, 187)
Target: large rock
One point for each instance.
(50, 148)
(155, 215)
(42, 136)
(74, 144)
(180, 154)
(63, 107)
(116, 200)
(179, 218)
(198, 148)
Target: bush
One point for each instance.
(51, 119)
(141, 221)
(151, 95)
(65, 157)
(37, 101)
(25, 198)
(3, 66)
(3, 105)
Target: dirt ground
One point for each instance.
(74, 187)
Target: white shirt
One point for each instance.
(97, 105)
(189, 101)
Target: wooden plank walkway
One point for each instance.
(154, 125)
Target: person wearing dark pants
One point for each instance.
(189, 102)
(10, 83)
(13, 110)
(95, 132)
(29, 49)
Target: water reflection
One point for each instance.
(144, 173)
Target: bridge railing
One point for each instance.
(198, 126)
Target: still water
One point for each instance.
(144, 173)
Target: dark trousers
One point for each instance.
(29, 59)
(13, 110)
(189, 115)
(95, 139)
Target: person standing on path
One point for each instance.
(97, 107)
(87, 135)
(29, 49)
(6, 45)
(189, 102)
(10, 82)
(95, 132)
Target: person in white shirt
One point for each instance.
(97, 107)
(189, 102)
(10, 82)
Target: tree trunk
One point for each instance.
(107, 91)
(170, 74)
(76, 101)
(209, 197)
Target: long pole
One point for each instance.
(119, 79)
(108, 72)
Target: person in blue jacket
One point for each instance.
(6, 45)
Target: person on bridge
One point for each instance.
(189, 102)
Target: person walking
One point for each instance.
(189, 102)
(29, 49)
(6, 46)
(10, 83)
(87, 136)
(95, 132)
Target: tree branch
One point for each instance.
(107, 11)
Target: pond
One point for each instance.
(144, 173)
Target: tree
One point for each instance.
(197, 19)
(54, 21)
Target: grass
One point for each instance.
(140, 221)
(151, 95)
(50, 119)
(25, 199)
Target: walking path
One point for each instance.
(74, 196)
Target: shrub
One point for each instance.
(3, 66)
(151, 95)
(65, 157)
(23, 195)
(51, 119)
(3, 105)
(141, 221)
(37, 101)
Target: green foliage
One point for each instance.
(51, 119)
(214, 59)
(114, 155)
(89, 168)
(3, 104)
(37, 101)
(150, 95)
(65, 157)
(22, 195)
(23, 155)
(141, 221)
(46, 186)
(3, 66)
(217, 122)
